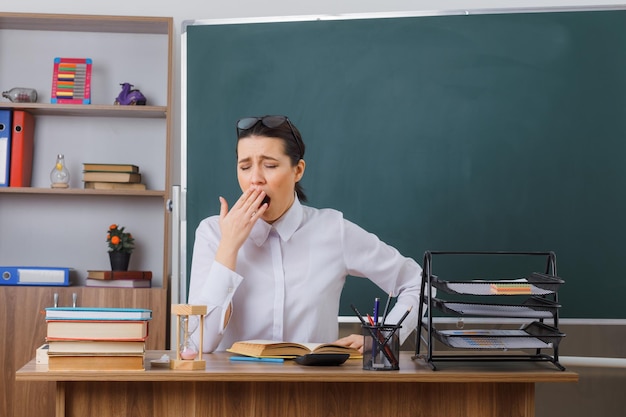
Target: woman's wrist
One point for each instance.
(226, 256)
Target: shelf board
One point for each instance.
(89, 110)
(85, 23)
(82, 192)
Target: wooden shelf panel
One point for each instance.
(82, 192)
(85, 23)
(90, 110)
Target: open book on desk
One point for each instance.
(274, 349)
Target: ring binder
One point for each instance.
(5, 147)
(34, 275)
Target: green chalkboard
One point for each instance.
(458, 132)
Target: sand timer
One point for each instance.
(189, 319)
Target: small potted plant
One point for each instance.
(121, 245)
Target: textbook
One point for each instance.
(118, 283)
(100, 185)
(111, 275)
(41, 355)
(96, 363)
(90, 166)
(127, 177)
(97, 313)
(95, 348)
(129, 330)
(274, 349)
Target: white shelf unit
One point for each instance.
(51, 227)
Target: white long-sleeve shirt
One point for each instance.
(289, 277)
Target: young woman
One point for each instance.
(271, 268)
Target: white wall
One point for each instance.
(182, 10)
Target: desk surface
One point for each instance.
(220, 369)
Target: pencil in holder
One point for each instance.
(381, 350)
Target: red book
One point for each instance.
(22, 141)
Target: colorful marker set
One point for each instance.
(71, 81)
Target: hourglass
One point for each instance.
(189, 318)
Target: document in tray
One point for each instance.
(501, 311)
(478, 342)
(484, 288)
(484, 332)
(493, 339)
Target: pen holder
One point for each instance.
(381, 350)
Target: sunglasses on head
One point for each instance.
(272, 122)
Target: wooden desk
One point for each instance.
(268, 389)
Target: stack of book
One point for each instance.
(112, 177)
(123, 279)
(96, 339)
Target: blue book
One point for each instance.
(5, 147)
(97, 313)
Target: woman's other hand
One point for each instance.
(355, 341)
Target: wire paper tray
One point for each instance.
(534, 307)
(534, 336)
(540, 284)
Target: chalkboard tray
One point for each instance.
(533, 307)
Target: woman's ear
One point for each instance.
(300, 169)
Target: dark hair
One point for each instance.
(284, 132)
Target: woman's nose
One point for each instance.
(257, 176)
